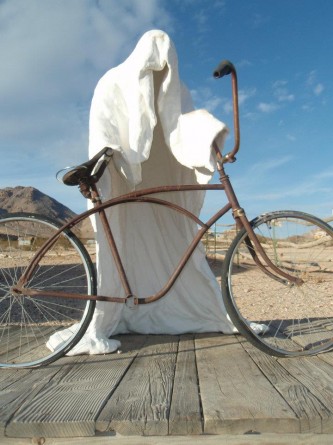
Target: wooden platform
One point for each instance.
(170, 385)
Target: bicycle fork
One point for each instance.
(251, 241)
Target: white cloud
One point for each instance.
(258, 182)
(279, 83)
(201, 19)
(306, 188)
(219, 4)
(281, 92)
(265, 107)
(205, 98)
(285, 97)
(244, 63)
(52, 55)
(325, 174)
(319, 88)
(267, 165)
(311, 77)
(312, 82)
(312, 185)
(307, 107)
(259, 20)
(243, 96)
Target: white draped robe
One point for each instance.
(143, 111)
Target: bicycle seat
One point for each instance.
(84, 171)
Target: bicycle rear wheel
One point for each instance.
(299, 318)
(26, 323)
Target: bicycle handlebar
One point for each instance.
(223, 69)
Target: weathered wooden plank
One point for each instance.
(295, 335)
(23, 387)
(310, 411)
(10, 383)
(306, 332)
(327, 357)
(141, 403)
(236, 396)
(226, 439)
(69, 404)
(315, 375)
(27, 345)
(9, 375)
(231, 377)
(185, 413)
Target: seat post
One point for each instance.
(97, 201)
(94, 195)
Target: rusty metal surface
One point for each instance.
(88, 188)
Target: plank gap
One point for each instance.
(199, 387)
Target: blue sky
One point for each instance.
(53, 53)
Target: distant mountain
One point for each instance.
(31, 200)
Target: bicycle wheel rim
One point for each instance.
(35, 331)
(281, 318)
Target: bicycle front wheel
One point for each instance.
(277, 316)
(28, 323)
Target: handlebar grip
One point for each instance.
(223, 69)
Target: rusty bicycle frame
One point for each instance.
(145, 196)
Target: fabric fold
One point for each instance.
(144, 112)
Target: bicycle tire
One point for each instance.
(280, 318)
(27, 323)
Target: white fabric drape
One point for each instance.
(143, 112)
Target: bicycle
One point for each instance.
(278, 270)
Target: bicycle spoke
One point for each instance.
(297, 315)
(26, 323)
